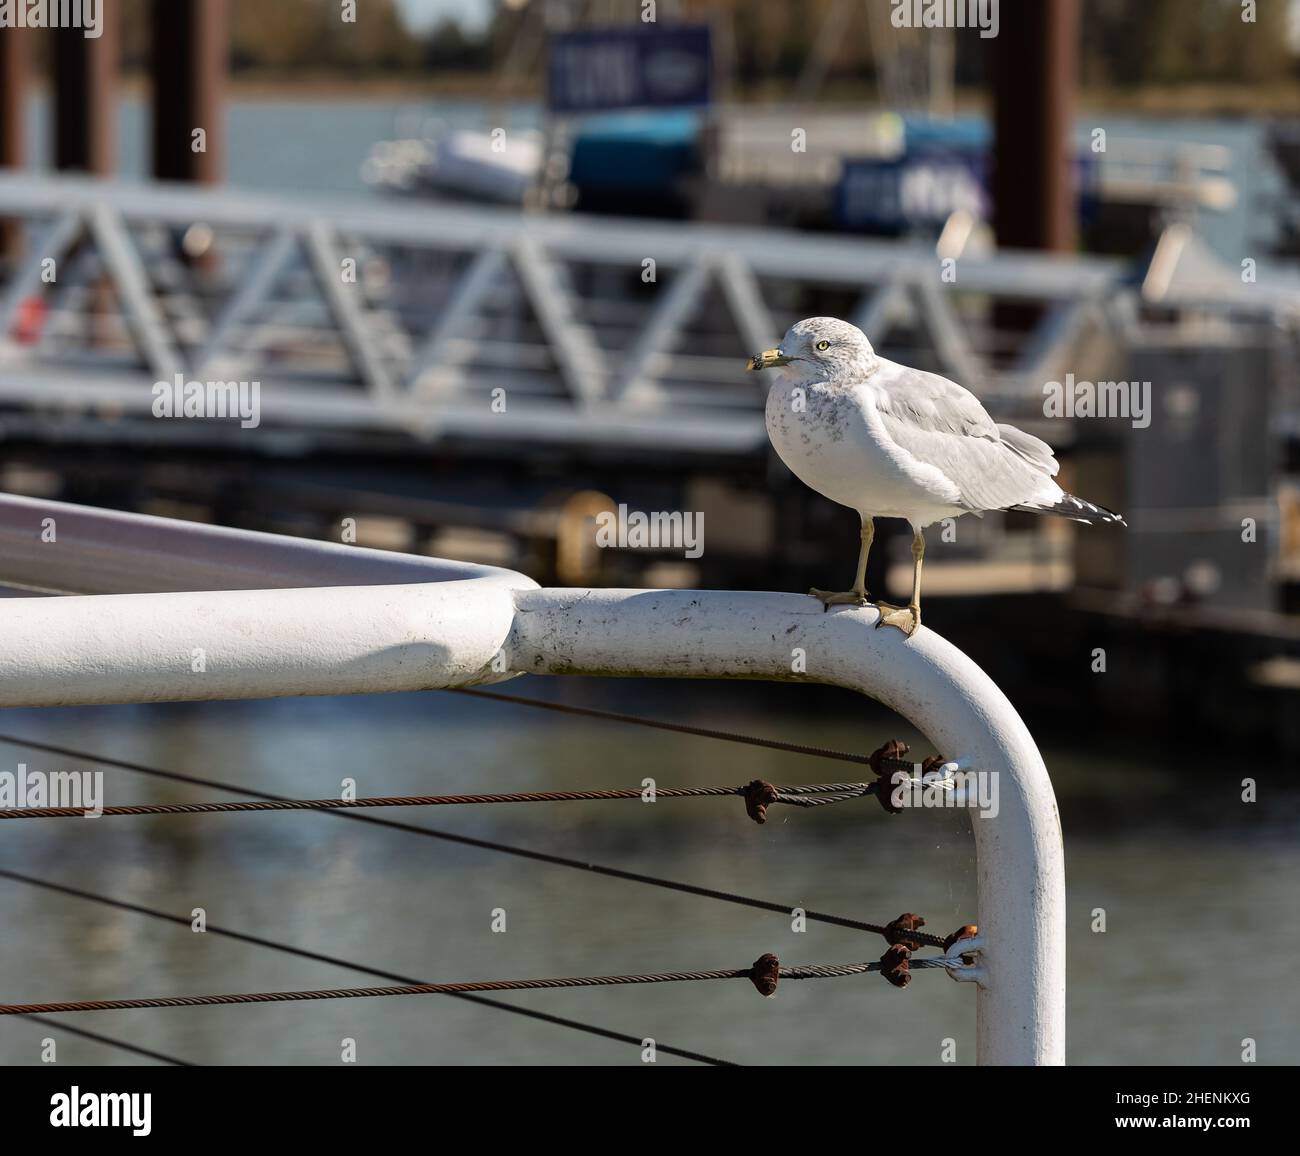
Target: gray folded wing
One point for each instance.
(943, 425)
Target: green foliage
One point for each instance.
(1122, 43)
(1182, 42)
(311, 35)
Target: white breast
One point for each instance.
(832, 439)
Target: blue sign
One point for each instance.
(919, 191)
(638, 66)
(910, 192)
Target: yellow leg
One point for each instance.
(867, 535)
(858, 595)
(908, 618)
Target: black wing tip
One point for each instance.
(1078, 510)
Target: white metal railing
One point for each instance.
(288, 617)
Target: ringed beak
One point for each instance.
(767, 359)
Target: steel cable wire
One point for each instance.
(805, 795)
(814, 795)
(811, 971)
(321, 957)
(482, 844)
(679, 728)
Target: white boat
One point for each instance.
(462, 163)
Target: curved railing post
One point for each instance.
(712, 634)
(392, 622)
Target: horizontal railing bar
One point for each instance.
(68, 549)
(234, 644)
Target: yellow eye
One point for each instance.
(823, 345)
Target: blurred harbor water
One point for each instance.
(1197, 888)
(316, 147)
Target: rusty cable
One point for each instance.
(883, 760)
(335, 961)
(899, 764)
(804, 795)
(760, 974)
(482, 844)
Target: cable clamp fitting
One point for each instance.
(961, 955)
(893, 774)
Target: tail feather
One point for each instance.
(1076, 509)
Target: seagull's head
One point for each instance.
(820, 349)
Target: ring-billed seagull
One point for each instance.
(894, 442)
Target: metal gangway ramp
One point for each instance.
(368, 317)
